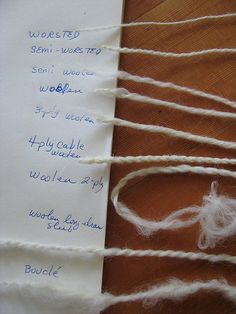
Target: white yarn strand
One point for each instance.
(115, 252)
(147, 80)
(206, 52)
(217, 215)
(168, 131)
(137, 24)
(93, 303)
(150, 158)
(125, 94)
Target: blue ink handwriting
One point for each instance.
(41, 49)
(77, 72)
(96, 185)
(48, 216)
(42, 70)
(54, 113)
(45, 271)
(79, 118)
(80, 50)
(55, 35)
(61, 88)
(57, 148)
(68, 224)
(37, 175)
(38, 49)
(90, 224)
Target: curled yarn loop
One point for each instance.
(217, 214)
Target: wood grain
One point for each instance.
(156, 196)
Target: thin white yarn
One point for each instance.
(168, 131)
(205, 52)
(115, 252)
(147, 80)
(161, 158)
(217, 215)
(135, 24)
(92, 303)
(125, 94)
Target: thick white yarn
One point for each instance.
(214, 51)
(161, 158)
(74, 302)
(135, 24)
(162, 84)
(168, 131)
(125, 94)
(147, 80)
(86, 252)
(217, 215)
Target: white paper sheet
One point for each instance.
(46, 95)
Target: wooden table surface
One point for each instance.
(155, 196)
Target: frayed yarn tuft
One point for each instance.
(217, 217)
